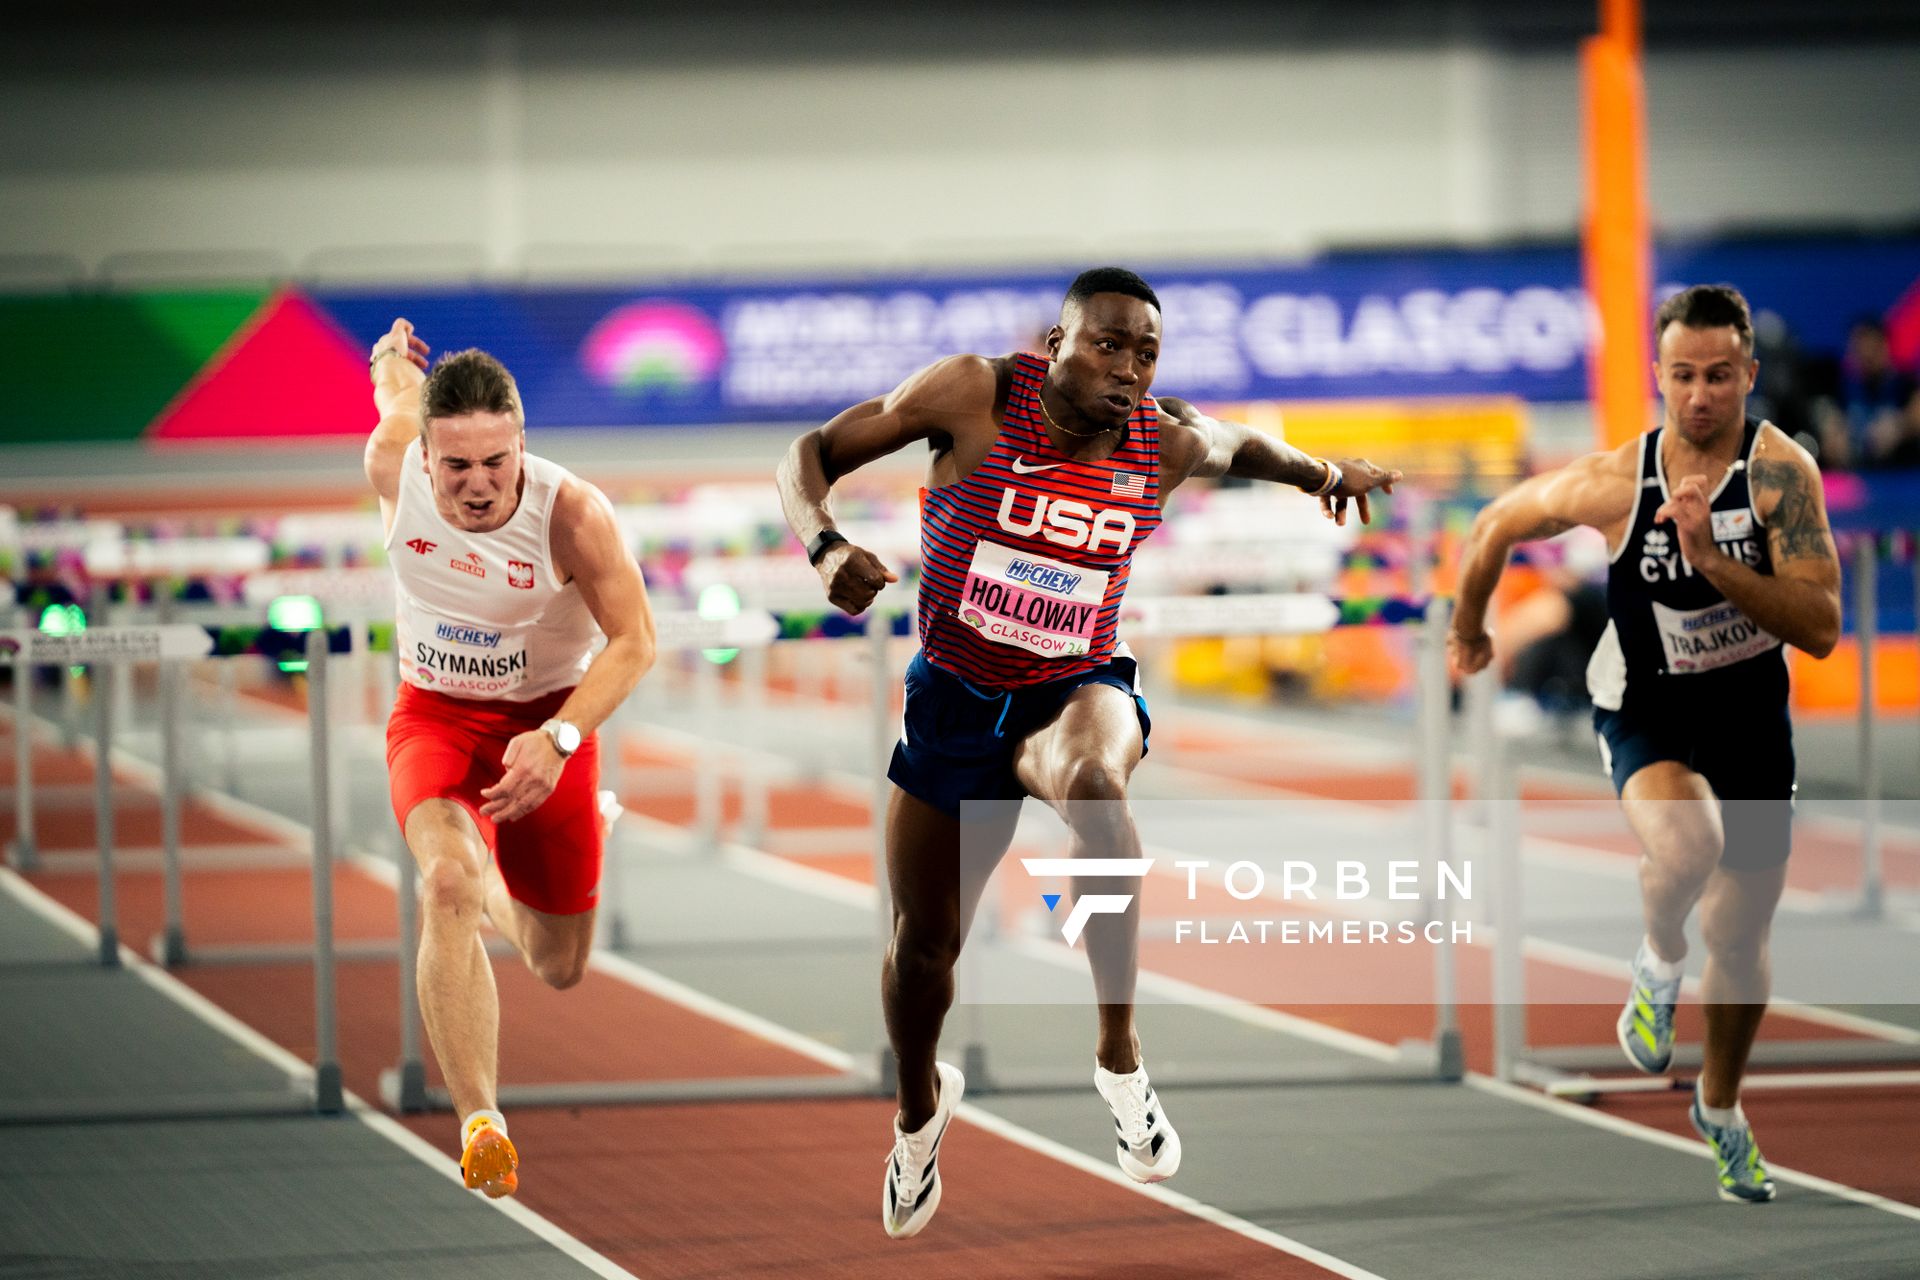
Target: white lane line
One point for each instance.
(1674, 1142)
(741, 1019)
(1582, 960)
(251, 1040)
(813, 880)
(1172, 1199)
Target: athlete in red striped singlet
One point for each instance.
(1046, 475)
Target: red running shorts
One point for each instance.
(442, 747)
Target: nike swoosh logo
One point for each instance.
(1022, 468)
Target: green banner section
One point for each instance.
(79, 369)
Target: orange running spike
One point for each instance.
(490, 1163)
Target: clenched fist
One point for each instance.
(853, 576)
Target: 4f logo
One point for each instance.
(421, 546)
(1087, 905)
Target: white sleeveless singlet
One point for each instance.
(484, 615)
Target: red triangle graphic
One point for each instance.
(1903, 329)
(289, 372)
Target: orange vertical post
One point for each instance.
(1617, 254)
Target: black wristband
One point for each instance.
(821, 541)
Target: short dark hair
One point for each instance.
(1108, 280)
(1707, 306)
(470, 381)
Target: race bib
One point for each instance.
(1704, 639)
(1031, 602)
(460, 658)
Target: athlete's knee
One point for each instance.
(1093, 778)
(921, 953)
(1739, 946)
(451, 886)
(561, 968)
(1690, 852)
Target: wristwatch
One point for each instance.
(566, 737)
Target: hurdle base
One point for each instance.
(169, 948)
(615, 1093)
(329, 1090)
(224, 1106)
(1449, 1057)
(1172, 1075)
(355, 950)
(403, 1089)
(1570, 1059)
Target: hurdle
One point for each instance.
(870, 1073)
(1569, 1070)
(104, 651)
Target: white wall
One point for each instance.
(555, 149)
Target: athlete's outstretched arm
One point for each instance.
(928, 405)
(1596, 490)
(398, 369)
(588, 549)
(1800, 601)
(1199, 445)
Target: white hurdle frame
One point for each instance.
(1566, 1071)
(103, 650)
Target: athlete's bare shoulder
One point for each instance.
(1774, 453)
(1787, 495)
(583, 534)
(954, 386)
(1183, 436)
(1596, 489)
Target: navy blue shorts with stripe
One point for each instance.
(1747, 759)
(960, 739)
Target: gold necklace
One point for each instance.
(1078, 435)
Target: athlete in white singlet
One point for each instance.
(509, 571)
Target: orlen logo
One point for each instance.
(456, 633)
(1087, 905)
(470, 565)
(421, 546)
(1043, 577)
(1066, 522)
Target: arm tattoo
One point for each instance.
(1799, 530)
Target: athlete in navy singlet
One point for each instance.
(1712, 573)
(1047, 474)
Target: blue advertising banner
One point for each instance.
(1380, 324)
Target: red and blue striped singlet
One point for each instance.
(1024, 562)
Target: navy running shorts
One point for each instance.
(1746, 758)
(960, 738)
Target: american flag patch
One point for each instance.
(1129, 486)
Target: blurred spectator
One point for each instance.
(1547, 637)
(1876, 421)
(1781, 392)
